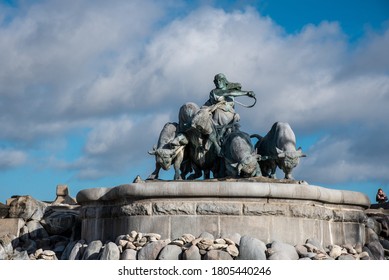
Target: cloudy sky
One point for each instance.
(86, 86)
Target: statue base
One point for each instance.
(266, 209)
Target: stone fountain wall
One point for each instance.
(287, 212)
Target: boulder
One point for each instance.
(193, 253)
(129, 254)
(26, 208)
(36, 230)
(251, 249)
(217, 255)
(59, 222)
(282, 251)
(92, 251)
(151, 250)
(110, 252)
(77, 250)
(170, 252)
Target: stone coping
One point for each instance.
(222, 189)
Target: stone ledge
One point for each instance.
(222, 189)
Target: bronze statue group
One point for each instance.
(208, 139)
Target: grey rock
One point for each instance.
(36, 230)
(371, 235)
(346, 258)
(364, 255)
(151, 250)
(282, 251)
(384, 243)
(58, 222)
(68, 249)
(251, 249)
(3, 254)
(120, 237)
(376, 250)
(193, 253)
(29, 246)
(92, 252)
(170, 252)
(206, 235)
(27, 208)
(128, 254)
(335, 251)
(217, 255)
(6, 243)
(374, 225)
(235, 237)
(23, 255)
(315, 243)
(77, 250)
(302, 251)
(110, 252)
(384, 223)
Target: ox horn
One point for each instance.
(153, 151)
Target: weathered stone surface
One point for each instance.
(29, 246)
(311, 212)
(384, 221)
(129, 254)
(68, 249)
(11, 226)
(316, 244)
(265, 209)
(282, 251)
(77, 250)
(234, 237)
(374, 225)
(174, 208)
(384, 243)
(3, 254)
(152, 249)
(346, 258)
(364, 256)
(193, 253)
(58, 222)
(92, 252)
(27, 208)
(217, 255)
(206, 235)
(376, 249)
(110, 252)
(20, 255)
(170, 252)
(36, 230)
(6, 243)
(371, 235)
(335, 251)
(232, 250)
(251, 249)
(136, 209)
(63, 196)
(222, 208)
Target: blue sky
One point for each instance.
(86, 86)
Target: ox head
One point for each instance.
(164, 157)
(247, 167)
(289, 160)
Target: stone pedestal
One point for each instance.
(285, 212)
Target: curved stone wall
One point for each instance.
(268, 211)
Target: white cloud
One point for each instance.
(10, 158)
(111, 69)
